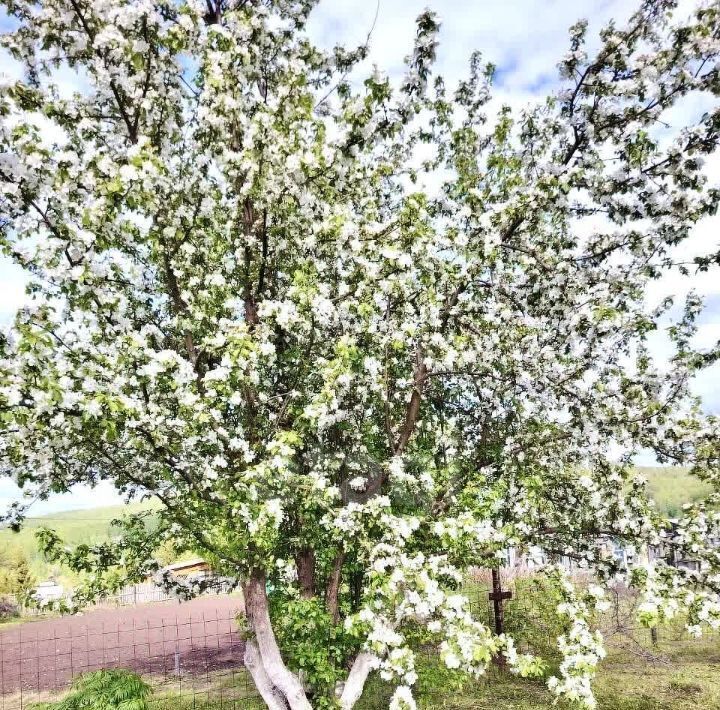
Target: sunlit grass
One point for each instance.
(671, 486)
(89, 526)
(688, 679)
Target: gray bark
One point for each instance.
(273, 698)
(284, 680)
(355, 682)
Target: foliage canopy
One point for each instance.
(357, 337)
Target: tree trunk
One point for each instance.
(273, 698)
(355, 682)
(333, 588)
(356, 588)
(284, 680)
(305, 561)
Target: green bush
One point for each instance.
(312, 645)
(104, 690)
(15, 576)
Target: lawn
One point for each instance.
(686, 678)
(678, 674)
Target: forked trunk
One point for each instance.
(355, 682)
(272, 696)
(283, 680)
(279, 687)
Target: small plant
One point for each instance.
(104, 690)
(681, 687)
(9, 608)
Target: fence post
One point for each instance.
(2, 672)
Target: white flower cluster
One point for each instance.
(366, 319)
(581, 648)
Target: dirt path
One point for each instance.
(162, 638)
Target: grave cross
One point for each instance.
(497, 596)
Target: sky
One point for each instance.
(524, 39)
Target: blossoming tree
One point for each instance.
(356, 337)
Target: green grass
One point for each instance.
(671, 486)
(219, 691)
(683, 674)
(689, 679)
(678, 674)
(495, 691)
(623, 683)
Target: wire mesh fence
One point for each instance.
(529, 614)
(192, 655)
(190, 660)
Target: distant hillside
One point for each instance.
(671, 486)
(74, 526)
